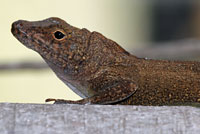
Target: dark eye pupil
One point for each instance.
(58, 35)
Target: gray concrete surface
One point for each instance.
(97, 119)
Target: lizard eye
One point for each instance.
(59, 35)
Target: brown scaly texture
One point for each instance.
(100, 71)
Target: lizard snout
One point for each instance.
(18, 26)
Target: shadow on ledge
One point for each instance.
(97, 119)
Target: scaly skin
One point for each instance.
(100, 71)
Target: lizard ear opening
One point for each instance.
(58, 35)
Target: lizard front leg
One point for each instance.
(113, 94)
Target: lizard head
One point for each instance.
(72, 53)
(60, 44)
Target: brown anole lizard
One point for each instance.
(102, 72)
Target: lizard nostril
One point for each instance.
(19, 25)
(16, 25)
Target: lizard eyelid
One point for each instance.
(58, 35)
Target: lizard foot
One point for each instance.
(60, 101)
(111, 95)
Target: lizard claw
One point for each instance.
(50, 99)
(59, 101)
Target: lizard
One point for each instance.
(102, 72)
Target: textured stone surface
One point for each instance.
(98, 119)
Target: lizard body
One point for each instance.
(102, 72)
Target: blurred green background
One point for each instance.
(131, 23)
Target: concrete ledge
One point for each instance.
(97, 119)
